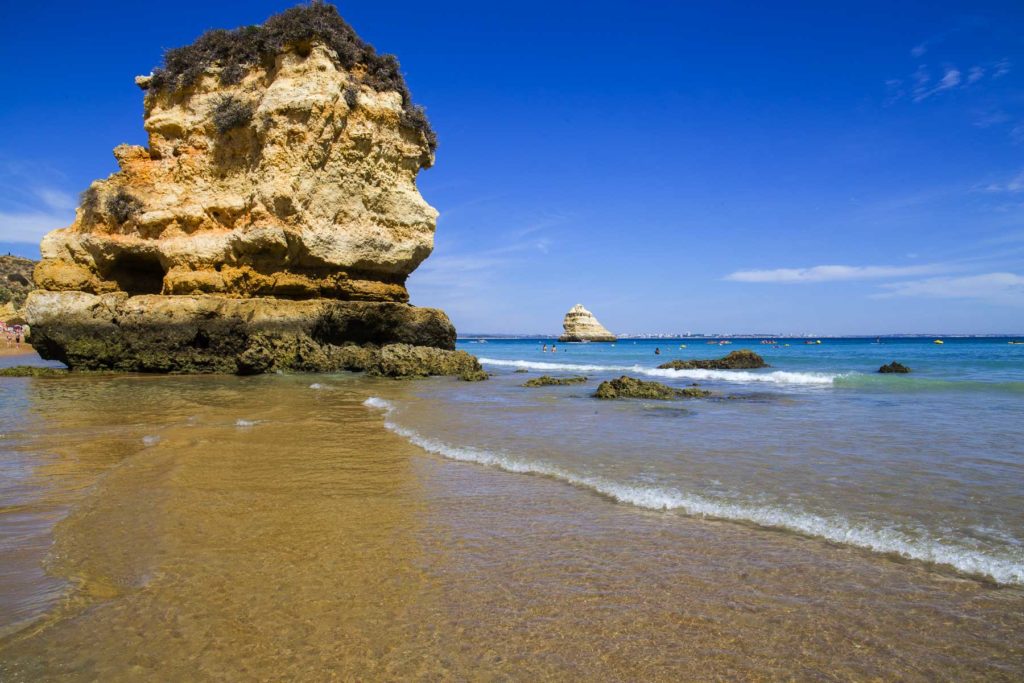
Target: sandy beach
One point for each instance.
(350, 553)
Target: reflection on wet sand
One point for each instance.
(225, 528)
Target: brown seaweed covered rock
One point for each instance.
(277, 189)
(628, 387)
(741, 359)
(549, 381)
(894, 368)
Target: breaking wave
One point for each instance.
(741, 376)
(889, 541)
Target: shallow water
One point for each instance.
(928, 465)
(201, 528)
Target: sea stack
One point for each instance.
(581, 325)
(272, 219)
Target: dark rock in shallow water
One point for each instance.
(521, 371)
(628, 387)
(214, 334)
(894, 368)
(741, 359)
(548, 381)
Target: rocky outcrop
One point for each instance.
(741, 359)
(209, 333)
(15, 285)
(894, 368)
(581, 325)
(277, 190)
(549, 381)
(628, 387)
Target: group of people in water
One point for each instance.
(13, 335)
(544, 348)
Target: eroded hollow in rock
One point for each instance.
(137, 274)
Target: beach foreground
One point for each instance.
(210, 528)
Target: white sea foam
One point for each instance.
(1004, 570)
(739, 376)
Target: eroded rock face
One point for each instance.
(581, 325)
(311, 194)
(286, 187)
(196, 334)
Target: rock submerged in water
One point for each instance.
(580, 325)
(549, 381)
(272, 218)
(628, 387)
(894, 368)
(740, 359)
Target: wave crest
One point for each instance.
(887, 540)
(740, 376)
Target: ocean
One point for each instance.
(928, 466)
(811, 520)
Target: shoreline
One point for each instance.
(10, 351)
(407, 564)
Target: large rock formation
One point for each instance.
(581, 325)
(277, 191)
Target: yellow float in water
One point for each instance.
(938, 341)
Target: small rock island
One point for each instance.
(270, 224)
(580, 325)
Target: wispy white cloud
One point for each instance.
(1013, 185)
(834, 273)
(32, 225)
(31, 201)
(1000, 288)
(923, 88)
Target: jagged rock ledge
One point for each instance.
(213, 334)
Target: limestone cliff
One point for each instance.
(279, 182)
(581, 325)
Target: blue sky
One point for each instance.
(674, 166)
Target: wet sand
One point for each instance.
(23, 350)
(244, 529)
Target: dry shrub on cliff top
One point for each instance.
(122, 205)
(238, 50)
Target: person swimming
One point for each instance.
(657, 351)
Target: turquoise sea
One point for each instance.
(927, 466)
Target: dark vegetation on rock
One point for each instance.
(549, 381)
(122, 205)
(628, 387)
(236, 51)
(31, 371)
(230, 113)
(894, 368)
(15, 279)
(389, 340)
(741, 359)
